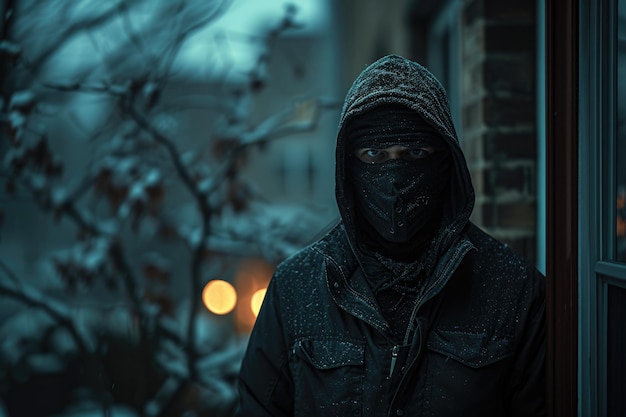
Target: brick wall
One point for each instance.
(498, 117)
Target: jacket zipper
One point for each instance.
(394, 358)
(453, 260)
(444, 274)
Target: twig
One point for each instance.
(130, 281)
(169, 60)
(34, 298)
(112, 89)
(9, 273)
(6, 27)
(275, 126)
(70, 30)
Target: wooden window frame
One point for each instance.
(562, 206)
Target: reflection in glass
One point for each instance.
(621, 134)
(616, 355)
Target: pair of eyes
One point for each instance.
(375, 156)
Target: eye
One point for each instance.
(418, 153)
(370, 155)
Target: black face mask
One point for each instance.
(399, 197)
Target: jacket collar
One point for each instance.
(349, 289)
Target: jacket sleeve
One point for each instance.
(527, 384)
(265, 384)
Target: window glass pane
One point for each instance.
(621, 133)
(616, 355)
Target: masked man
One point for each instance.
(405, 307)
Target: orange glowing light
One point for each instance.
(257, 300)
(219, 297)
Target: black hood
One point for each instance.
(397, 80)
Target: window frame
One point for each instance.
(562, 94)
(597, 190)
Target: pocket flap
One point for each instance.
(472, 349)
(328, 354)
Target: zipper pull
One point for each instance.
(394, 358)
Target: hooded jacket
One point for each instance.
(321, 345)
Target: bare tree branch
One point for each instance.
(128, 173)
(173, 50)
(206, 215)
(34, 298)
(279, 125)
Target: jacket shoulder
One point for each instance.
(498, 259)
(308, 264)
(494, 287)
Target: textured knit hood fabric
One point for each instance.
(394, 80)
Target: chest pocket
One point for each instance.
(472, 349)
(328, 377)
(460, 362)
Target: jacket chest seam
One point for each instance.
(334, 266)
